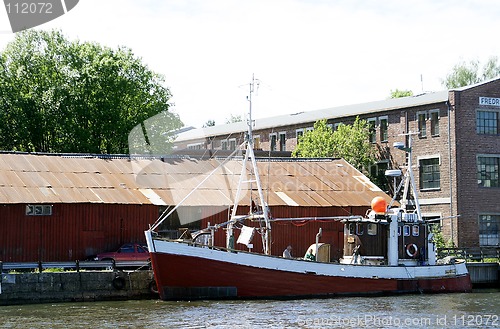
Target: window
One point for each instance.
(256, 142)
(359, 229)
(434, 122)
(39, 210)
(422, 128)
(384, 124)
(487, 122)
(377, 174)
(336, 126)
(232, 144)
(223, 145)
(406, 230)
(372, 229)
(372, 123)
(272, 141)
(283, 141)
(489, 230)
(415, 230)
(430, 177)
(299, 133)
(487, 171)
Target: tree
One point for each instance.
(233, 119)
(350, 142)
(68, 96)
(209, 123)
(401, 93)
(464, 74)
(316, 143)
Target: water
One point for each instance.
(480, 309)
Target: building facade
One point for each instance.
(455, 151)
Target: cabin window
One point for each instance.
(38, 210)
(359, 229)
(351, 228)
(399, 230)
(406, 230)
(223, 145)
(372, 229)
(415, 230)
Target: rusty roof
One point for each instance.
(45, 178)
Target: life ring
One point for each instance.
(412, 250)
(118, 283)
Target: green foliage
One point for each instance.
(209, 123)
(62, 96)
(316, 143)
(464, 74)
(439, 240)
(233, 118)
(350, 142)
(401, 93)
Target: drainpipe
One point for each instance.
(449, 170)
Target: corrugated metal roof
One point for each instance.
(310, 117)
(31, 178)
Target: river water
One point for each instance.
(480, 309)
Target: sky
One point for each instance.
(306, 54)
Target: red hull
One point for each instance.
(185, 277)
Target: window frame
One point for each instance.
(489, 235)
(384, 131)
(485, 175)
(484, 129)
(434, 122)
(422, 124)
(273, 140)
(428, 184)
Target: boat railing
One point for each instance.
(472, 254)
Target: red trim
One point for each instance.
(175, 271)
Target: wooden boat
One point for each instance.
(389, 251)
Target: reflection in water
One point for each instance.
(480, 309)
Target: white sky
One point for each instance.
(308, 54)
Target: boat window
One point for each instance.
(415, 230)
(372, 229)
(359, 229)
(406, 230)
(351, 228)
(399, 230)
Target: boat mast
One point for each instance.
(249, 155)
(410, 180)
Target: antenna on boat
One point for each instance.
(408, 178)
(249, 155)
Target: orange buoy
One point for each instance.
(379, 205)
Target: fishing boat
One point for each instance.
(391, 250)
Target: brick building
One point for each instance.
(457, 150)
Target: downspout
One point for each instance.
(450, 172)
